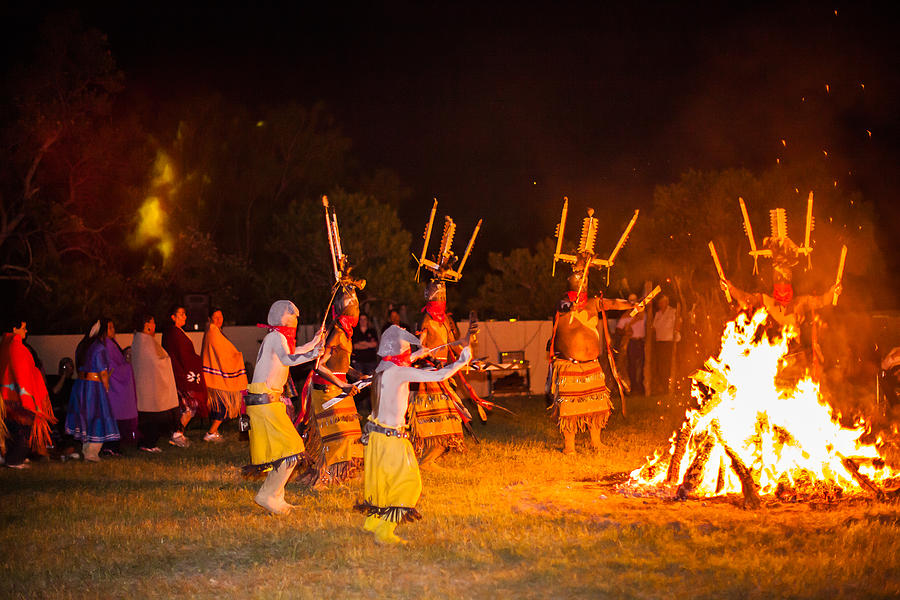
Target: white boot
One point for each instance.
(271, 494)
(91, 451)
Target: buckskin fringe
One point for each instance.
(253, 471)
(577, 423)
(418, 413)
(336, 474)
(393, 514)
(450, 441)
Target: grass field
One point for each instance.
(511, 518)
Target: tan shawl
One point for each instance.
(154, 379)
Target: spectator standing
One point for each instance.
(394, 318)
(122, 396)
(188, 368)
(666, 332)
(224, 375)
(25, 407)
(157, 398)
(89, 418)
(60, 388)
(632, 332)
(365, 346)
(635, 352)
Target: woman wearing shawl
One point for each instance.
(89, 418)
(157, 400)
(188, 369)
(275, 445)
(25, 407)
(122, 397)
(224, 375)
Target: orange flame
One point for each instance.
(785, 434)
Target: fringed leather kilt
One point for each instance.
(335, 436)
(580, 396)
(432, 418)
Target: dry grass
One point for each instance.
(511, 518)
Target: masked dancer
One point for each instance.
(436, 412)
(783, 307)
(275, 445)
(333, 433)
(580, 396)
(392, 481)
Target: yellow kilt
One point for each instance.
(338, 427)
(272, 435)
(581, 398)
(433, 419)
(393, 484)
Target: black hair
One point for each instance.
(174, 308)
(141, 320)
(12, 321)
(88, 340)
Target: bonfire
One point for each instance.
(757, 434)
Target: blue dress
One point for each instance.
(90, 417)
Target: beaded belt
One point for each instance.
(576, 362)
(371, 427)
(89, 376)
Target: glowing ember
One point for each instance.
(758, 434)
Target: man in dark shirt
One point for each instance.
(365, 343)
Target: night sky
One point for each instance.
(499, 111)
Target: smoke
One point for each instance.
(152, 227)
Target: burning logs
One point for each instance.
(694, 473)
(863, 481)
(678, 450)
(748, 485)
(752, 435)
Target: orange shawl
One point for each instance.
(223, 364)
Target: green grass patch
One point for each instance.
(510, 518)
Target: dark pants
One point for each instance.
(129, 433)
(663, 357)
(17, 444)
(152, 425)
(636, 365)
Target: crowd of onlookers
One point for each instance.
(111, 400)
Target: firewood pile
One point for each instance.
(754, 435)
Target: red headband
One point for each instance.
(401, 360)
(290, 333)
